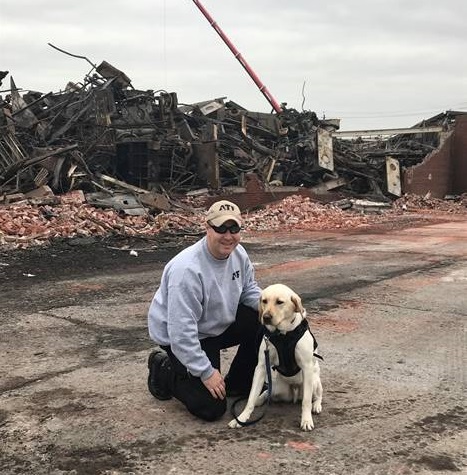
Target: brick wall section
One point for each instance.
(444, 171)
(459, 155)
(434, 174)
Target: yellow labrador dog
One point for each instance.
(297, 373)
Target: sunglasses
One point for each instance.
(222, 229)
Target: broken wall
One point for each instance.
(444, 171)
(459, 154)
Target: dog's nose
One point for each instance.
(267, 318)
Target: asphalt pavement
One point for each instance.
(388, 309)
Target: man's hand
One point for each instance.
(215, 385)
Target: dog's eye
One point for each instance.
(265, 301)
(279, 302)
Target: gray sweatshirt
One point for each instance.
(197, 298)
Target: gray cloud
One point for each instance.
(373, 63)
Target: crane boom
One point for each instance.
(264, 90)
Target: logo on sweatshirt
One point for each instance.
(236, 275)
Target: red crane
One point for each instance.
(275, 105)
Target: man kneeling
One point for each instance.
(207, 301)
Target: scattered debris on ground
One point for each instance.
(26, 224)
(102, 158)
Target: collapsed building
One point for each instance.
(102, 134)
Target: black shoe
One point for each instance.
(158, 364)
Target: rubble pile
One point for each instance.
(301, 213)
(102, 158)
(101, 131)
(451, 205)
(24, 225)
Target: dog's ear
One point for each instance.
(297, 301)
(260, 308)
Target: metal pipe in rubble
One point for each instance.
(240, 58)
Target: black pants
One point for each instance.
(190, 390)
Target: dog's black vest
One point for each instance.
(285, 344)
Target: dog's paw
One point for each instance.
(233, 424)
(316, 407)
(307, 424)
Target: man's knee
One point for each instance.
(246, 311)
(248, 319)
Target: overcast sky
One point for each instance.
(371, 63)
